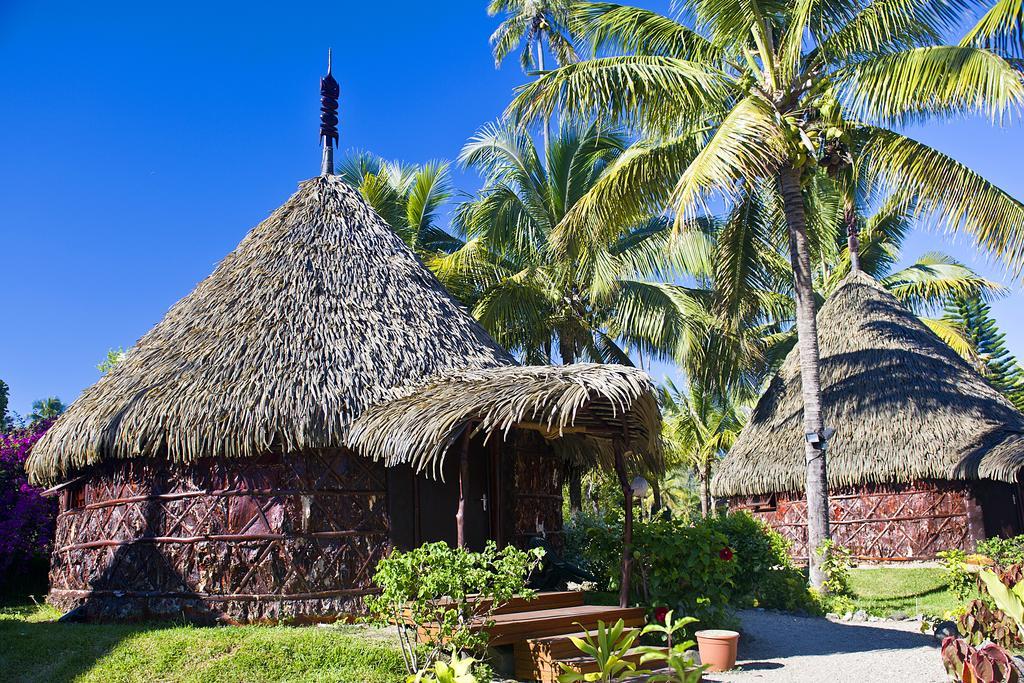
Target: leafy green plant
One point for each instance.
(836, 594)
(960, 580)
(701, 568)
(446, 597)
(765, 575)
(1003, 551)
(835, 563)
(676, 656)
(457, 670)
(609, 647)
(1008, 599)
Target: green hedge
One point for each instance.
(701, 569)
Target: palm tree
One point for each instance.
(408, 197)
(700, 427)
(46, 408)
(759, 91)
(531, 22)
(598, 300)
(752, 265)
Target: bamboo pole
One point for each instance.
(627, 524)
(460, 516)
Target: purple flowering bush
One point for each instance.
(26, 518)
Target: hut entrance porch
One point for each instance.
(424, 509)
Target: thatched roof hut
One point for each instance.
(319, 313)
(263, 443)
(905, 407)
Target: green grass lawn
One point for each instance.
(35, 648)
(911, 590)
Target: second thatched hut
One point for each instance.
(927, 456)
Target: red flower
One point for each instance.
(660, 613)
(725, 554)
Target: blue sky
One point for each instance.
(139, 142)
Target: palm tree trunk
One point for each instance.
(626, 569)
(575, 492)
(656, 504)
(705, 501)
(852, 236)
(807, 342)
(546, 132)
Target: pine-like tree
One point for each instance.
(999, 366)
(4, 397)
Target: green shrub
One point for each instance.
(701, 569)
(838, 593)
(1003, 551)
(766, 576)
(961, 581)
(447, 593)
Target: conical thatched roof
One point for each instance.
(320, 312)
(904, 406)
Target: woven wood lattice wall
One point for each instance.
(293, 537)
(894, 522)
(536, 492)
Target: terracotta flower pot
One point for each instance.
(717, 648)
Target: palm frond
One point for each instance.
(746, 146)
(1000, 29)
(639, 31)
(953, 336)
(634, 187)
(932, 81)
(934, 279)
(946, 192)
(653, 92)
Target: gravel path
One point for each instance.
(777, 648)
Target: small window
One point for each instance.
(76, 497)
(766, 503)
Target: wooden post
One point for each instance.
(327, 159)
(627, 524)
(460, 516)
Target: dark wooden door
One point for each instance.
(422, 509)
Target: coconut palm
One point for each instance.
(752, 262)
(408, 197)
(46, 408)
(700, 426)
(530, 23)
(593, 301)
(760, 91)
(596, 300)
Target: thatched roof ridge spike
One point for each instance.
(296, 332)
(905, 407)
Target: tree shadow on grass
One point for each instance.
(52, 651)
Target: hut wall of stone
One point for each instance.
(891, 522)
(294, 537)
